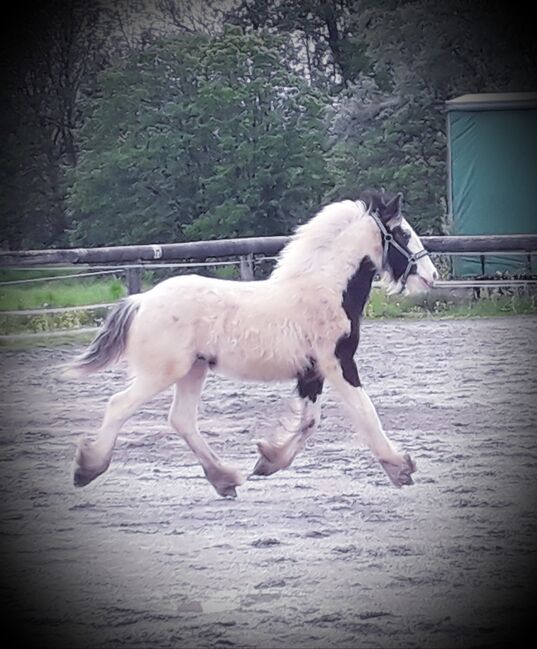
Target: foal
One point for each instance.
(301, 323)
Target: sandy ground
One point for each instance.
(324, 554)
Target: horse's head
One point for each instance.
(404, 258)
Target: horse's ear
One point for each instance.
(373, 200)
(392, 209)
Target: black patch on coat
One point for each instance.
(310, 383)
(353, 302)
(396, 260)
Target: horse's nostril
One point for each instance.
(435, 275)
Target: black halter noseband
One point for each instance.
(388, 240)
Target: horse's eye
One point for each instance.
(406, 237)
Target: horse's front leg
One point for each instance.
(183, 418)
(291, 435)
(399, 466)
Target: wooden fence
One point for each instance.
(452, 245)
(132, 260)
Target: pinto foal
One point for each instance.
(301, 323)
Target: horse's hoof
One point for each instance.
(272, 457)
(400, 474)
(267, 450)
(82, 478)
(88, 465)
(264, 467)
(227, 492)
(224, 481)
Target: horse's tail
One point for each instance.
(109, 344)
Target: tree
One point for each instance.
(390, 126)
(396, 143)
(58, 46)
(196, 137)
(319, 29)
(191, 18)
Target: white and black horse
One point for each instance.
(302, 323)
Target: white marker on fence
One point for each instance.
(157, 251)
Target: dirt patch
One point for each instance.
(325, 554)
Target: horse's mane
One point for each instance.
(323, 243)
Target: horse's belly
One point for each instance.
(255, 349)
(255, 369)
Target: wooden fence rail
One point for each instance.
(452, 245)
(131, 260)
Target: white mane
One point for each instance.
(333, 243)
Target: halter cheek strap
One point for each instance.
(388, 240)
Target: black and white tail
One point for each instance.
(110, 342)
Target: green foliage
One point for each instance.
(381, 305)
(402, 149)
(390, 127)
(321, 31)
(58, 46)
(31, 184)
(226, 272)
(46, 322)
(199, 138)
(113, 134)
(60, 294)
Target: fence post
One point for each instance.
(134, 280)
(247, 267)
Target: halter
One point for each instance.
(388, 240)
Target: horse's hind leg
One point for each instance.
(93, 458)
(183, 418)
(292, 433)
(289, 438)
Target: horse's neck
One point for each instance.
(332, 262)
(350, 260)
